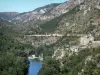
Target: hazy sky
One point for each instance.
(24, 5)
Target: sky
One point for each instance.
(24, 5)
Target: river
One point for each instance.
(34, 67)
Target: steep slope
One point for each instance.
(76, 22)
(81, 19)
(75, 53)
(33, 15)
(56, 11)
(43, 14)
(59, 13)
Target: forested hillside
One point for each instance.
(13, 54)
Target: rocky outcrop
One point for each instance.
(33, 15)
(85, 40)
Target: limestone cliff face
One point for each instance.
(83, 18)
(82, 21)
(33, 15)
(47, 12)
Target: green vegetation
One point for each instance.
(46, 50)
(13, 60)
(51, 25)
(86, 62)
(50, 67)
(76, 63)
(13, 54)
